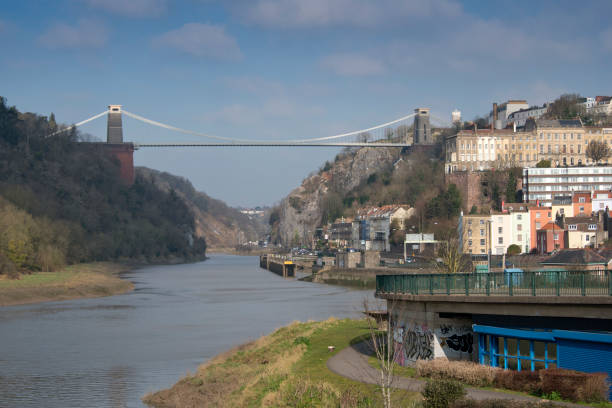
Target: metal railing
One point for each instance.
(528, 283)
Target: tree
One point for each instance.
(474, 210)
(511, 188)
(567, 106)
(597, 151)
(383, 344)
(453, 260)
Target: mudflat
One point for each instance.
(72, 282)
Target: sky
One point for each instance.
(289, 69)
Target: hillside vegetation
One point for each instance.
(222, 225)
(62, 201)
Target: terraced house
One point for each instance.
(563, 142)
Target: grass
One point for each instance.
(287, 368)
(74, 281)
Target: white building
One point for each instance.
(601, 200)
(520, 116)
(499, 115)
(544, 183)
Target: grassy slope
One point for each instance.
(75, 281)
(284, 369)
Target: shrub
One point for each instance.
(574, 385)
(514, 250)
(464, 371)
(525, 381)
(441, 393)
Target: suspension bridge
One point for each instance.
(412, 129)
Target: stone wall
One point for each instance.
(469, 185)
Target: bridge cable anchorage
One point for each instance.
(266, 143)
(79, 124)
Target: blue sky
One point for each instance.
(286, 69)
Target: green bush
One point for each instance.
(514, 250)
(442, 393)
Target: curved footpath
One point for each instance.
(352, 362)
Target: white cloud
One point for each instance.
(131, 8)
(201, 40)
(353, 65)
(318, 13)
(606, 39)
(255, 85)
(84, 34)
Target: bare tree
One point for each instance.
(453, 260)
(382, 344)
(597, 151)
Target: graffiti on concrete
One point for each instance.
(412, 342)
(455, 339)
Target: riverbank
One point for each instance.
(287, 368)
(72, 282)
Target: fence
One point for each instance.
(528, 283)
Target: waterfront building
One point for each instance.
(583, 232)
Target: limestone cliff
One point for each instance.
(303, 210)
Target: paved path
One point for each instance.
(352, 362)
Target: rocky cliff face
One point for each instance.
(222, 226)
(302, 211)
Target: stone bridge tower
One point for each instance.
(422, 127)
(114, 128)
(123, 152)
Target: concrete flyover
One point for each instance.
(500, 319)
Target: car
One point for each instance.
(410, 259)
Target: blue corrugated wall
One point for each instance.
(586, 356)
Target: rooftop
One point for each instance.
(582, 256)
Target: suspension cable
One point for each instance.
(79, 124)
(191, 132)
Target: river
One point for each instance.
(109, 352)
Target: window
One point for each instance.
(481, 222)
(469, 222)
(538, 225)
(592, 227)
(581, 199)
(469, 233)
(482, 242)
(499, 230)
(572, 227)
(500, 240)
(482, 232)
(581, 209)
(556, 237)
(537, 215)
(586, 238)
(519, 227)
(519, 217)
(469, 242)
(519, 237)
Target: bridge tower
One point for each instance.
(123, 152)
(114, 128)
(422, 127)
